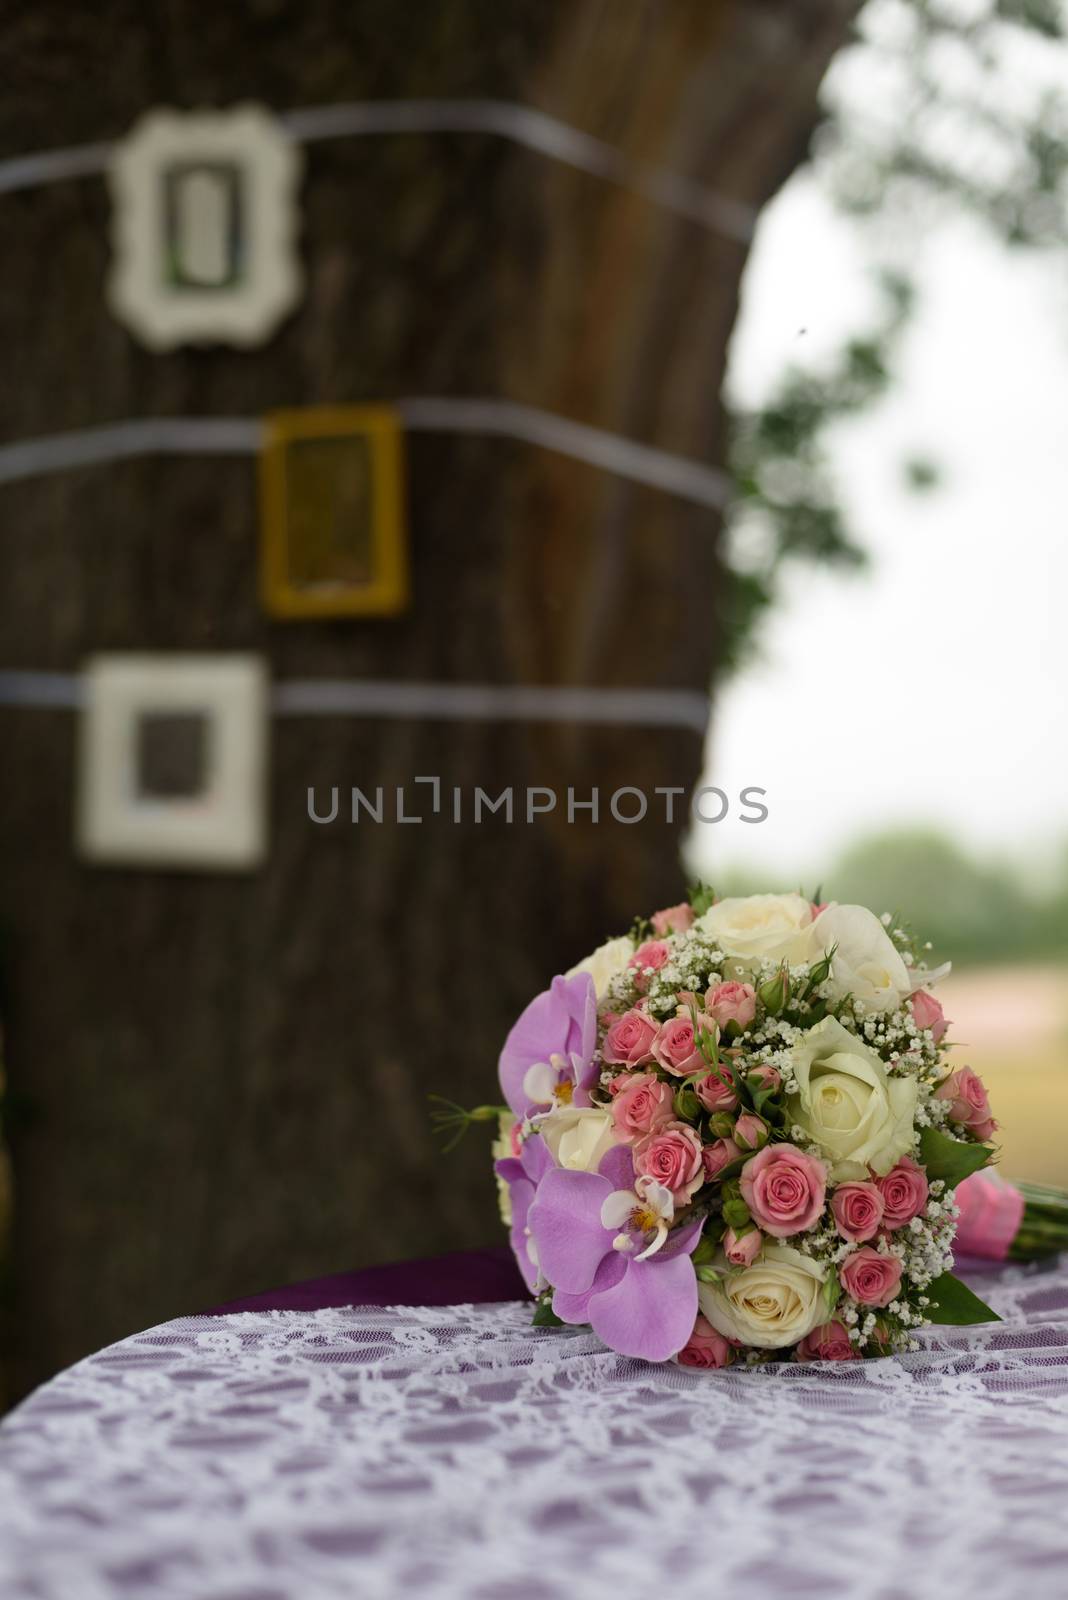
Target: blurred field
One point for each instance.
(1011, 1025)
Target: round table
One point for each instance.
(318, 1443)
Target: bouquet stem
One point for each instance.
(1043, 1228)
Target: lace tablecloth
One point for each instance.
(455, 1451)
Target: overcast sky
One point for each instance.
(933, 687)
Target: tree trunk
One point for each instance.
(220, 1081)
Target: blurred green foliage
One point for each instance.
(973, 911)
(925, 116)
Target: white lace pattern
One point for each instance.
(458, 1452)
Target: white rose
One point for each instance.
(773, 1303)
(578, 1136)
(759, 926)
(865, 963)
(606, 961)
(848, 1104)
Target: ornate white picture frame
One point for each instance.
(204, 230)
(172, 761)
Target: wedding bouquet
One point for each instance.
(736, 1132)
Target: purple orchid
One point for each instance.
(641, 1302)
(548, 1056)
(522, 1174)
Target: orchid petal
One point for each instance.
(535, 1158)
(617, 1166)
(521, 1193)
(539, 1083)
(651, 1311)
(684, 1240)
(562, 1019)
(565, 1220)
(581, 1002)
(617, 1207)
(656, 1244)
(656, 1197)
(576, 1307)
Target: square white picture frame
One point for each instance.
(220, 823)
(204, 227)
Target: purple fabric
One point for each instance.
(465, 1277)
(475, 1277)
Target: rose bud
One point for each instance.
(742, 1252)
(829, 1342)
(722, 1124)
(968, 1102)
(927, 1013)
(719, 1155)
(774, 992)
(765, 1077)
(673, 919)
(705, 1347)
(716, 1093)
(731, 1005)
(750, 1131)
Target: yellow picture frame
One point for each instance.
(334, 538)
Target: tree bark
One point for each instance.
(222, 1080)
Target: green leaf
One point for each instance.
(953, 1303)
(701, 898)
(707, 1044)
(952, 1160)
(545, 1316)
(704, 1253)
(708, 1274)
(832, 1289)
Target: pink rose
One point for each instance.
(719, 1155)
(784, 1189)
(969, 1104)
(716, 1093)
(671, 1155)
(705, 1347)
(857, 1210)
(872, 1279)
(629, 1040)
(904, 1192)
(829, 1342)
(642, 1104)
(767, 1077)
(750, 1131)
(653, 953)
(675, 919)
(731, 1002)
(744, 1251)
(675, 1047)
(927, 1013)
